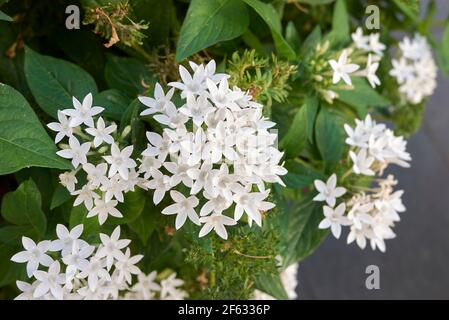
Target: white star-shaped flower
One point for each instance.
(328, 191)
(342, 69)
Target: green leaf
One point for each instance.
(23, 207)
(311, 42)
(295, 139)
(409, 7)
(23, 140)
(78, 215)
(361, 96)
(5, 17)
(300, 175)
(316, 2)
(292, 36)
(10, 271)
(132, 118)
(113, 102)
(271, 17)
(13, 234)
(302, 235)
(60, 196)
(272, 285)
(208, 22)
(146, 222)
(54, 82)
(131, 208)
(127, 75)
(340, 24)
(329, 136)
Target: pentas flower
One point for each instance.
(215, 153)
(374, 147)
(109, 169)
(414, 69)
(334, 219)
(81, 271)
(328, 191)
(342, 68)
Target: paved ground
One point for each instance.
(415, 265)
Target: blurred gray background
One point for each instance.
(415, 265)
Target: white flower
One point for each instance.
(171, 117)
(114, 188)
(197, 109)
(62, 127)
(216, 222)
(360, 214)
(334, 218)
(120, 161)
(200, 176)
(375, 45)
(94, 272)
(371, 69)
(169, 286)
(104, 208)
(159, 102)
(190, 85)
(68, 179)
(252, 203)
(160, 183)
(342, 69)
(85, 195)
(77, 152)
(362, 162)
(214, 204)
(50, 281)
(77, 259)
(102, 133)
(34, 255)
(126, 266)
(183, 208)
(66, 239)
(112, 246)
(158, 146)
(146, 285)
(96, 175)
(359, 235)
(360, 40)
(27, 290)
(82, 113)
(328, 191)
(402, 70)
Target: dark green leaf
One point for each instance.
(60, 196)
(409, 7)
(131, 208)
(316, 2)
(127, 75)
(146, 222)
(300, 175)
(340, 24)
(10, 271)
(12, 235)
(329, 136)
(113, 102)
(54, 82)
(271, 284)
(295, 139)
(271, 17)
(208, 22)
(23, 141)
(78, 215)
(362, 96)
(23, 207)
(302, 235)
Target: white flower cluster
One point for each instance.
(289, 280)
(415, 70)
(372, 213)
(109, 176)
(80, 270)
(146, 288)
(216, 144)
(368, 45)
(374, 147)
